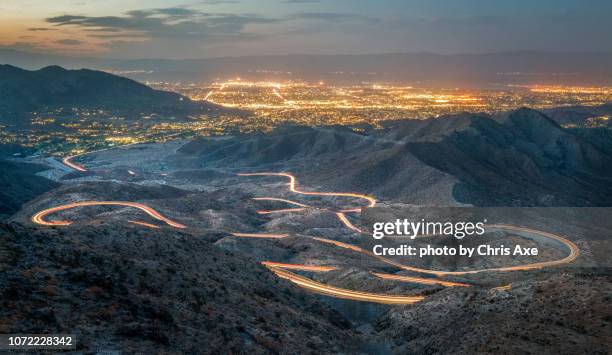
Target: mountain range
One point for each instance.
(520, 158)
(217, 296)
(522, 67)
(53, 87)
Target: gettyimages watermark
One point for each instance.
(407, 228)
(458, 230)
(533, 236)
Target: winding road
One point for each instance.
(68, 162)
(281, 269)
(39, 218)
(337, 292)
(574, 251)
(341, 214)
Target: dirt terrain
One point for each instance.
(125, 280)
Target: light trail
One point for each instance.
(38, 218)
(278, 94)
(341, 244)
(67, 161)
(280, 200)
(342, 217)
(301, 207)
(373, 297)
(293, 188)
(503, 288)
(145, 224)
(571, 257)
(420, 280)
(260, 235)
(284, 210)
(337, 292)
(278, 268)
(302, 267)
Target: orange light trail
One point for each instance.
(419, 280)
(281, 200)
(284, 210)
(145, 224)
(72, 165)
(337, 292)
(341, 244)
(503, 288)
(303, 267)
(332, 291)
(342, 217)
(38, 218)
(571, 257)
(293, 188)
(301, 207)
(278, 268)
(278, 94)
(260, 235)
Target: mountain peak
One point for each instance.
(52, 69)
(7, 68)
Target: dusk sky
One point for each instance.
(213, 28)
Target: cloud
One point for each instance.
(332, 17)
(22, 46)
(69, 42)
(35, 29)
(102, 29)
(171, 22)
(66, 18)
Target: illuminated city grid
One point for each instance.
(323, 104)
(270, 104)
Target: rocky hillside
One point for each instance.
(151, 291)
(19, 184)
(522, 158)
(559, 313)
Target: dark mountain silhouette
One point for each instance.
(456, 69)
(19, 184)
(521, 158)
(53, 87)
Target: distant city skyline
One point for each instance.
(215, 28)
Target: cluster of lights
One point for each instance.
(316, 103)
(274, 102)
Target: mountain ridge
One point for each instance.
(53, 87)
(523, 158)
(478, 68)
